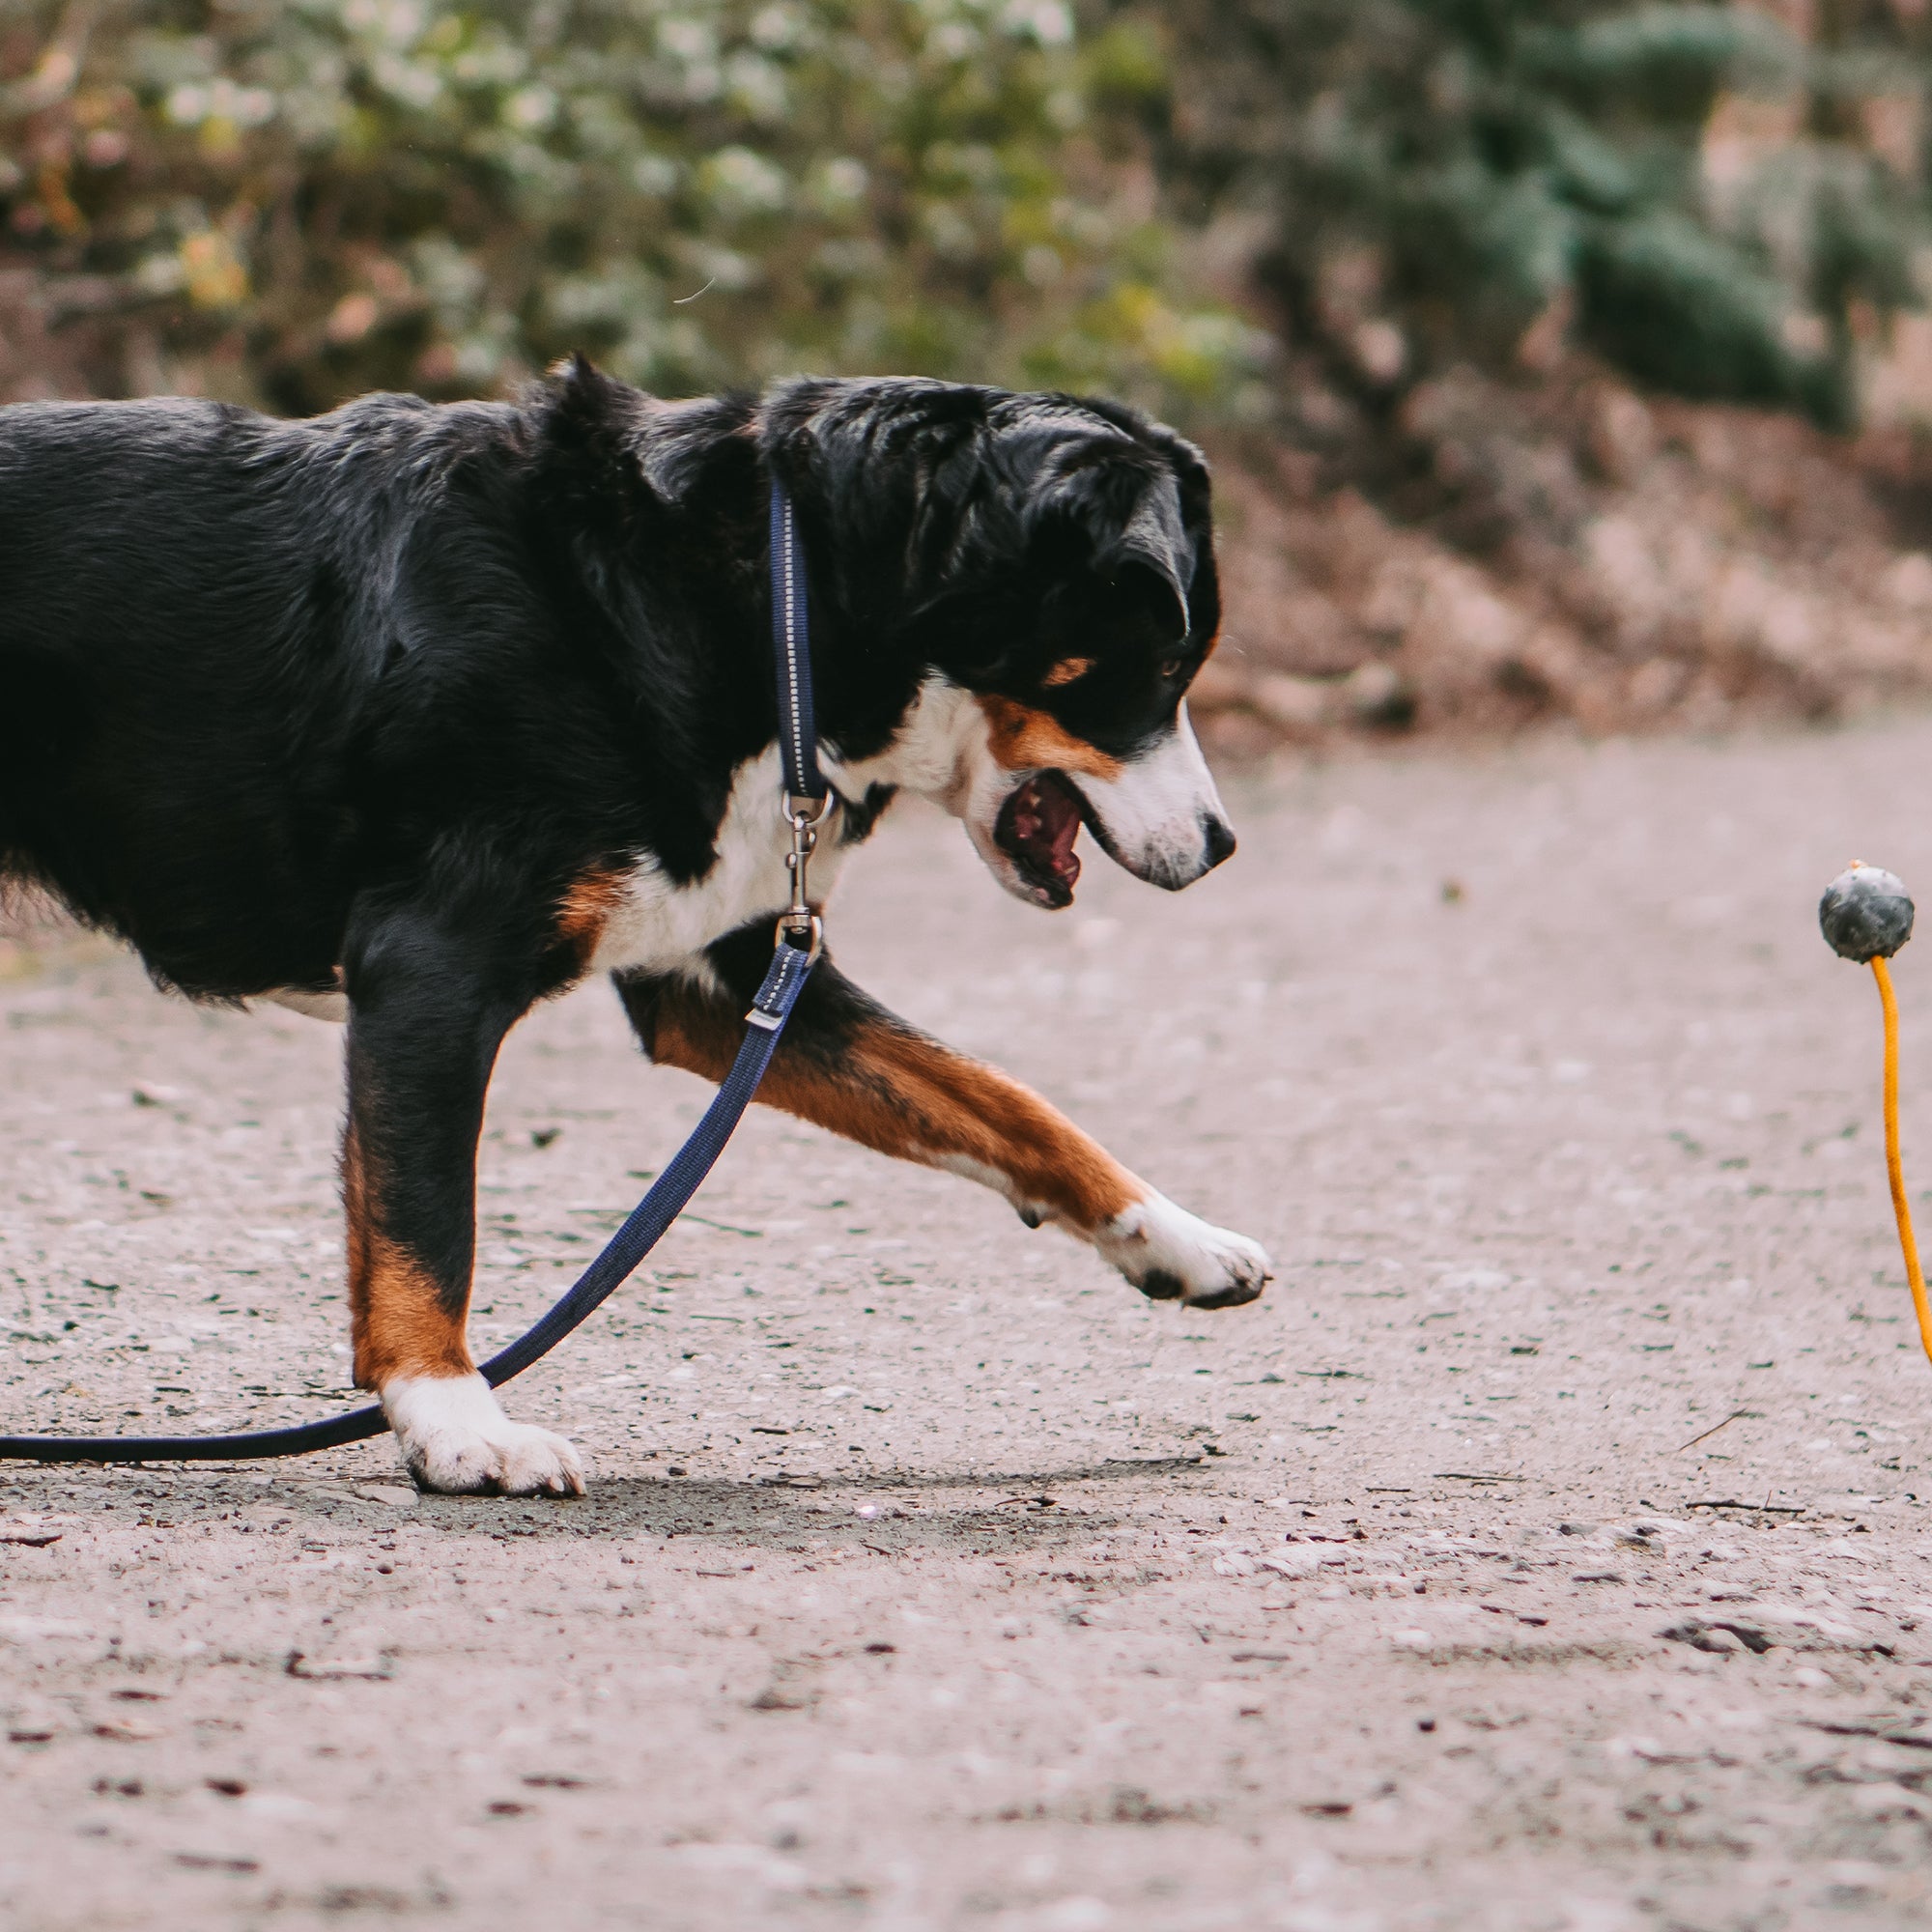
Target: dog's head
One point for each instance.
(1043, 569)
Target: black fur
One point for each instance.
(371, 692)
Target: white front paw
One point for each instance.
(457, 1441)
(1171, 1255)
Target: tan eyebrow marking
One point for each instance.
(1067, 671)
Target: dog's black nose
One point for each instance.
(1218, 835)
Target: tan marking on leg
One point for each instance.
(1028, 740)
(400, 1323)
(584, 910)
(904, 1094)
(1067, 671)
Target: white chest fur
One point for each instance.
(659, 925)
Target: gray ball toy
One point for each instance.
(1866, 913)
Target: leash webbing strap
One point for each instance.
(666, 1198)
(641, 1230)
(791, 635)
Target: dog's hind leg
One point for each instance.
(423, 1035)
(846, 1063)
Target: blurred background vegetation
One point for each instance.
(1482, 304)
(1721, 200)
(297, 201)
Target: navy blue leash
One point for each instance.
(784, 980)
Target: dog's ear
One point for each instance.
(1154, 543)
(1201, 602)
(1119, 506)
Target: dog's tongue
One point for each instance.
(1045, 823)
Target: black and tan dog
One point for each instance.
(414, 715)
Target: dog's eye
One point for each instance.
(1173, 666)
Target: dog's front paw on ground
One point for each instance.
(457, 1441)
(1171, 1255)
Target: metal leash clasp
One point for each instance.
(797, 925)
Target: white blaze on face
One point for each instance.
(1162, 818)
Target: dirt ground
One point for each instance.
(1548, 1548)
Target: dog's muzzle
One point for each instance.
(1161, 819)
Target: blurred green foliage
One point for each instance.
(290, 201)
(1719, 199)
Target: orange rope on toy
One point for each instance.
(1894, 1166)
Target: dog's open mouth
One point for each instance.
(1036, 830)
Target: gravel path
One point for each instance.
(1547, 1549)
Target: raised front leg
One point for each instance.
(423, 1034)
(848, 1064)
